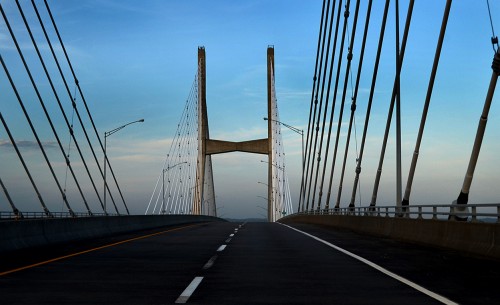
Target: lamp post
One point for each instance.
(294, 129)
(163, 184)
(301, 133)
(106, 135)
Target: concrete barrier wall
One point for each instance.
(475, 238)
(21, 234)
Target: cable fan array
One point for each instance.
(36, 81)
(282, 200)
(174, 191)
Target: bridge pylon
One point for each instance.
(204, 199)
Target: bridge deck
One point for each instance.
(262, 263)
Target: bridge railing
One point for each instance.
(38, 215)
(489, 212)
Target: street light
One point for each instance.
(163, 185)
(294, 129)
(301, 133)
(277, 166)
(263, 183)
(106, 135)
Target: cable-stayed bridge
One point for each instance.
(192, 190)
(179, 251)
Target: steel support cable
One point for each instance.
(332, 112)
(301, 195)
(337, 78)
(398, 114)
(177, 190)
(88, 113)
(370, 100)
(32, 127)
(19, 155)
(276, 151)
(280, 162)
(341, 111)
(342, 103)
(432, 78)
(183, 144)
(494, 38)
(176, 161)
(325, 69)
(280, 159)
(185, 191)
(9, 199)
(174, 143)
(193, 152)
(184, 170)
(78, 115)
(355, 96)
(391, 106)
(45, 110)
(311, 126)
(172, 152)
(463, 197)
(316, 121)
(192, 159)
(182, 179)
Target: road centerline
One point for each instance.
(210, 262)
(186, 294)
(221, 248)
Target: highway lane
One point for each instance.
(464, 279)
(269, 263)
(235, 263)
(150, 270)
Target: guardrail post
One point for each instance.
(419, 213)
(498, 213)
(474, 218)
(434, 212)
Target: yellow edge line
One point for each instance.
(91, 250)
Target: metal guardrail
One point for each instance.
(40, 215)
(487, 212)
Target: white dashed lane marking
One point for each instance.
(186, 294)
(210, 262)
(221, 248)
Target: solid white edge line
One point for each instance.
(221, 248)
(186, 294)
(415, 286)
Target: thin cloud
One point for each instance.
(25, 144)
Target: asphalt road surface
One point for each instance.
(245, 263)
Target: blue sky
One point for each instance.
(137, 59)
